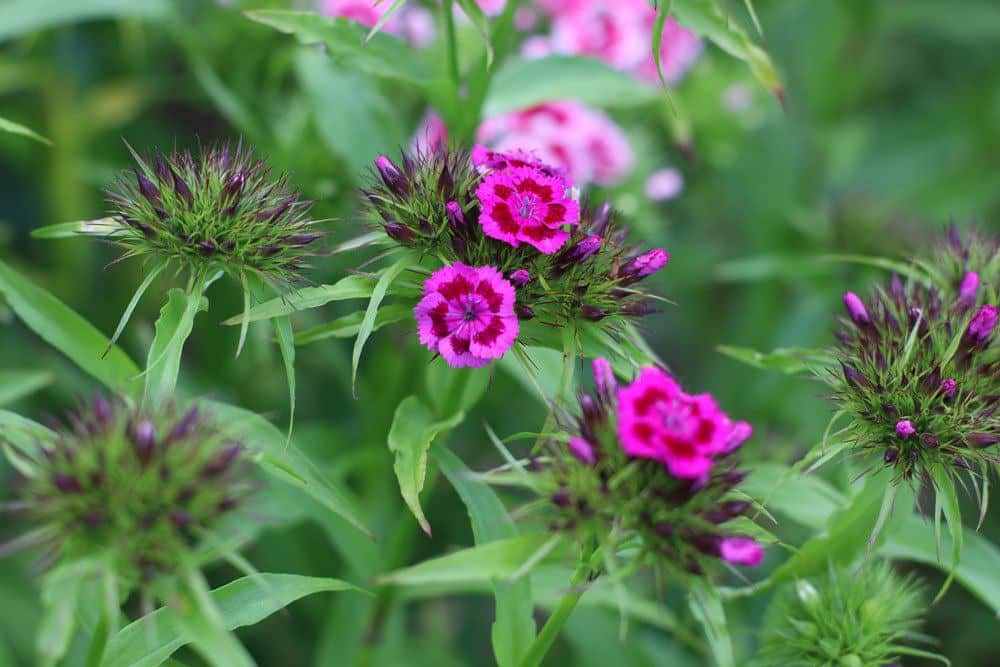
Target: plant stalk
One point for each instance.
(554, 625)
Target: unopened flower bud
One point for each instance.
(524, 312)
(519, 278)
(982, 440)
(982, 325)
(397, 232)
(600, 219)
(930, 440)
(637, 309)
(644, 265)
(143, 437)
(456, 218)
(593, 313)
(968, 290)
(582, 450)
(854, 377)
(147, 188)
(391, 176)
(891, 454)
(905, 429)
(856, 309)
(949, 388)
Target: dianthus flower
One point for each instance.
(412, 23)
(917, 371)
(526, 205)
(649, 461)
(467, 314)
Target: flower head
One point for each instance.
(648, 461)
(219, 209)
(137, 484)
(467, 314)
(525, 205)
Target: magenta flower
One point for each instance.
(467, 315)
(413, 24)
(949, 387)
(644, 265)
(604, 378)
(856, 309)
(656, 420)
(741, 551)
(525, 205)
(983, 323)
(905, 429)
(968, 289)
(664, 184)
(679, 50)
(582, 450)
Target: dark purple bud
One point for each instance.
(663, 529)
(905, 429)
(896, 289)
(398, 232)
(600, 219)
(227, 504)
(583, 250)
(592, 413)
(233, 187)
(181, 188)
(446, 184)
(185, 426)
(282, 208)
(269, 250)
(162, 172)
(889, 409)
(301, 239)
(644, 265)
(391, 175)
(66, 483)
(229, 245)
(930, 440)
(102, 410)
(959, 462)
(561, 499)
(181, 519)
(854, 377)
(222, 461)
(736, 508)
(524, 312)
(637, 309)
(147, 188)
(207, 248)
(955, 238)
(593, 313)
(143, 437)
(705, 543)
(519, 278)
(968, 290)
(582, 450)
(891, 454)
(981, 440)
(456, 218)
(856, 309)
(93, 518)
(916, 315)
(949, 388)
(734, 477)
(982, 325)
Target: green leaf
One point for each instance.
(522, 83)
(16, 128)
(382, 55)
(385, 281)
(65, 230)
(21, 16)
(514, 627)
(914, 540)
(475, 14)
(706, 607)
(60, 591)
(946, 497)
(66, 331)
(286, 342)
(280, 459)
(150, 641)
(805, 499)
(410, 436)
(349, 325)
(483, 563)
(351, 287)
(172, 330)
(708, 19)
(787, 360)
(18, 384)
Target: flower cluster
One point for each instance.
(918, 371)
(857, 618)
(508, 221)
(649, 460)
(220, 209)
(620, 33)
(139, 485)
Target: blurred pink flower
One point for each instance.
(412, 23)
(741, 551)
(664, 184)
(467, 315)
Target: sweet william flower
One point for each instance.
(525, 205)
(741, 551)
(467, 314)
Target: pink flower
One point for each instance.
(609, 31)
(905, 429)
(467, 314)
(644, 265)
(856, 309)
(585, 142)
(431, 135)
(982, 325)
(949, 387)
(526, 205)
(491, 7)
(414, 24)
(679, 50)
(968, 289)
(741, 551)
(604, 378)
(365, 12)
(657, 420)
(582, 450)
(664, 184)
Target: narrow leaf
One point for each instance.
(351, 287)
(286, 342)
(17, 128)
(172, 330)
(706, 607)
(368, 322)
(15, 385)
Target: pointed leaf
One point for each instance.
(789, 360)
(16, 128)
(172, 330)
(18, 384)
(286, 342)
(385, 281)
(351, 287)
(706, 607)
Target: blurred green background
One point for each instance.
(891, 127)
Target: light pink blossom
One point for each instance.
(664, 184)
(526, 205)
(467, 314)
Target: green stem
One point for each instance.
(452, 42)
(554, 625)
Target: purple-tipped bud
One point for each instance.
(982, 325)
(181, 519)
(592, 412)
(102, 410)
(162, 172)
(66, 483)
(301, 239)
(207, 248)
(949, 388)
(968, 290)
(391, 175)
(604, 378)
(584, 249)
(147, 188)
(637, 309)
(740, 433)
(233, 187)
(519, 278)
(600, 219)
(398, 232)
(644, 265)
(269, 250)
(456, 218)
(930, 440)
(524, 312)
(143, 437)
(561, 499)
(582, 450)
(281, 208)
(185, 426)
(446, 183)
(905, 429)
(593, 313)
(854, 377)
(222, 461)
(181, 188)
(856, 309)
(891, 455)
(981, 440)
(663, 529)
(889, 409)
